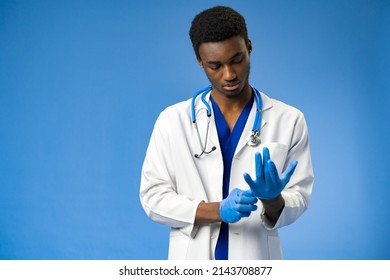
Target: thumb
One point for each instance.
(286, 176)
(248, 179)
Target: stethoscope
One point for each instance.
(254, 139)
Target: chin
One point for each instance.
(232, 94)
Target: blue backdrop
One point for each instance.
(82, 83)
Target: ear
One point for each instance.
(249, 46)
(199, 61)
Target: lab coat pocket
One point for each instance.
(278, 154)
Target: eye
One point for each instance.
(215, 66)
(237, 60)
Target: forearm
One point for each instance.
(273, 208)
(207, 213)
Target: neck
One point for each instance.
(232, 106)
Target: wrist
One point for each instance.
(208, 212)
(273, 208)
(274, 202)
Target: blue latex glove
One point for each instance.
(237, 205)
(269, 183)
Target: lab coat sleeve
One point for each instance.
(158, 191)
(298, 191)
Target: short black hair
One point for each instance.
(217, 24)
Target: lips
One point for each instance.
(231, 87)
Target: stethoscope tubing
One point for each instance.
(203, 92)
(259, 110)
(254, 138)
(206, 90)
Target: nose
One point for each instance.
(229, 74)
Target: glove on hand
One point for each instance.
(237, 205)
(269, 183)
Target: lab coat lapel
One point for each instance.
(246, 134)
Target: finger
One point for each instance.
(248, 193)
(235, 192)
(259, 165)
(266, 155)
(248, 180)
(246, 200)
(245, 214)
(266, 158)
(286, 176)
(242, 208)
(273, 172)
(235, 218)
(267, 173)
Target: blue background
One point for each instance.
(82, 83)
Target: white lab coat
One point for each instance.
(174, 182)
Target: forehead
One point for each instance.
(222, 50)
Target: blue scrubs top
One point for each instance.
(228, 142)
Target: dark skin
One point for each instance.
(226, 64)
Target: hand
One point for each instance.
(237, 205)
(269, 183)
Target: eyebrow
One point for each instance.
(219, 62)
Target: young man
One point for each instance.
(211, 168)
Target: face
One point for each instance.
(226, 64)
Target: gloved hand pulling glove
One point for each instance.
(237, 205)
(269, 183)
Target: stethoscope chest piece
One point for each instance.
(254, 139)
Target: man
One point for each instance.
(196, 174)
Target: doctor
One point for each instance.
(226, 169)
